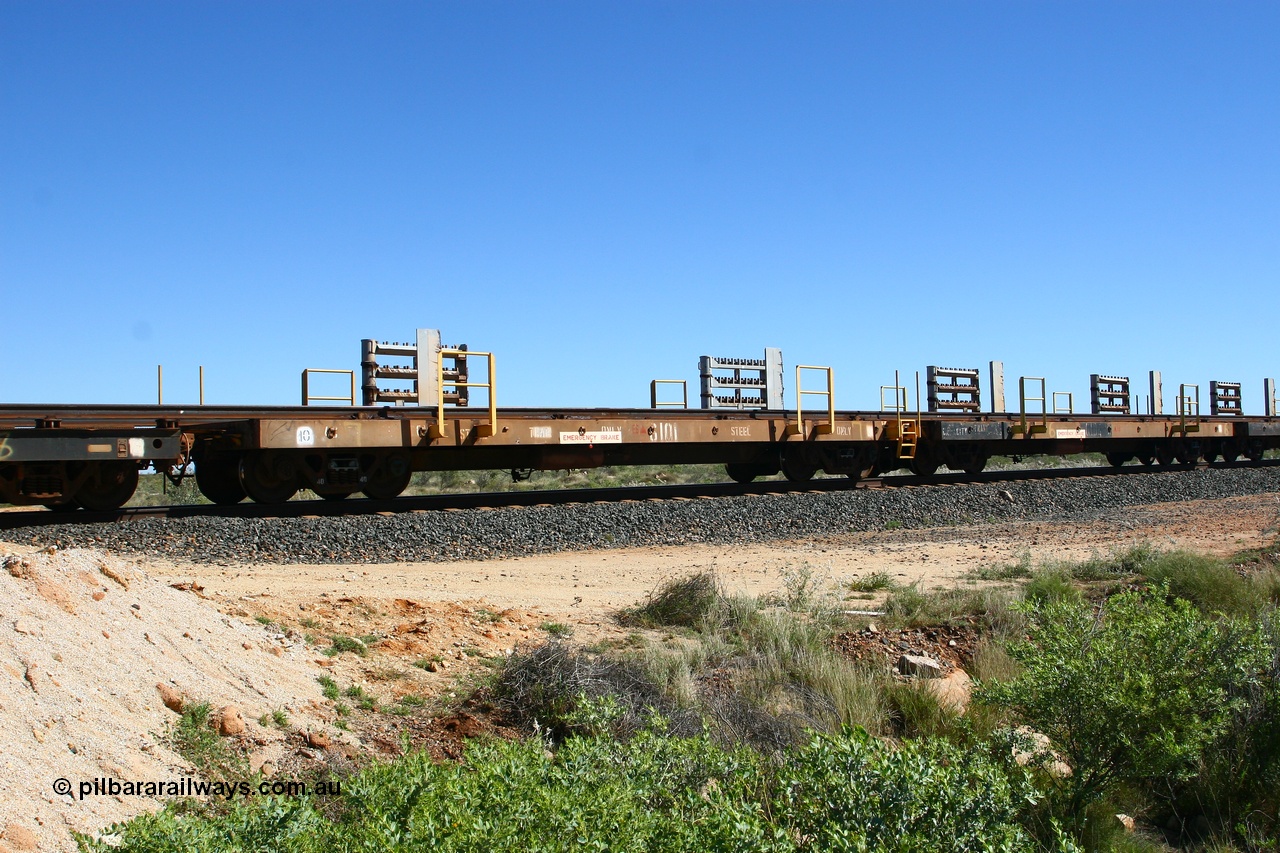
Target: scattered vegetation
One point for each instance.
(1142, 682)
(342, 644)
(681, 602)
(277, 718)
(329, 687)
(214, 758)
(873, 582)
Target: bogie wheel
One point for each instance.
(797, 469)
(970, 461)
(219, 480)
(740, 472)
(389, 479)
(1146, 459)
(1230, 451)
(1164, 455)
(109, 486)
(1208, 453)
(1117, 459)
(1255, 451)
(1188, 455)
(263, 481)
(923, 465)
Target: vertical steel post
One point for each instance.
(997, 386)
(159, 384)
(773, 378)
(1156, 405)
(427, 361)
(369, 372)
(1269, 396)
(202, 384)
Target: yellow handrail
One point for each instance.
(1026, 428)
(653, 393)
(1188, 405)
(829, 393)
(306, 387)
(438, 429)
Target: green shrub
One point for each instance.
(1118, 564)
(910, 607)
(917, 711)
(654, 792)
(1051, 584)
(853, 792)
(872, 582)
(1206, 582)
(345, 644)
(1134, 693)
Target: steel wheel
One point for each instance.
(797, 469)
(923, 465)
(389, 479)
(110, 485)
(264, 481)
(1117, 459)
(219, 480)
(740, 472)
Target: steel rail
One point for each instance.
(18, 519)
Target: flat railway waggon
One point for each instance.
(70, 456)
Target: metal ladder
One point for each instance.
(908, 438)
(906, 430)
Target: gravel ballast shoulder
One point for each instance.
(483, 533)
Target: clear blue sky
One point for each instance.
(601, 192)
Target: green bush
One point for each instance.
(1206, 582)
(853, 792)
(1134, 693)
(1051, 584)
(654, 792)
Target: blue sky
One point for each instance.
(601, 192)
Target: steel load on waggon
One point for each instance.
(70, 456)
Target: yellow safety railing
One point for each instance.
(1188, 406)
(653, 393)
(821, 429)
(899, 398)
(308, 398)
(1026, 427)
(1071, 403)
(438, 429)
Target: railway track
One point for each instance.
(18, 519)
